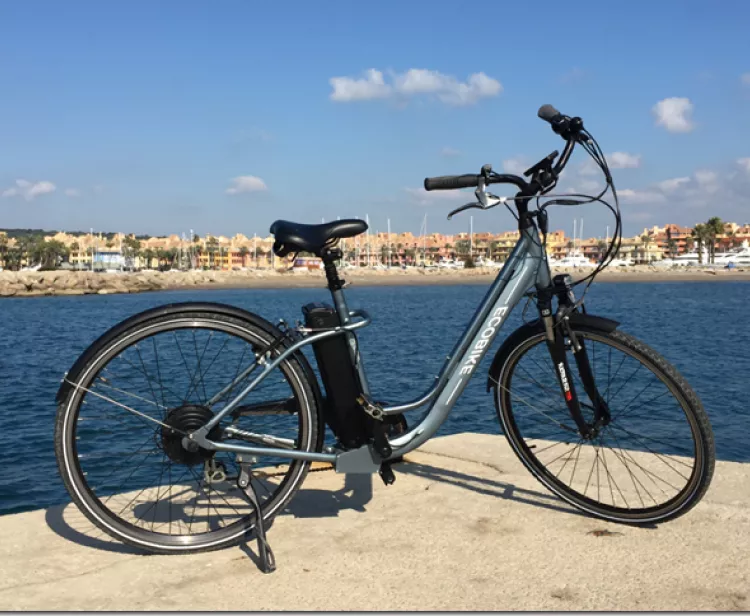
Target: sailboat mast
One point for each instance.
(471, 236)
(389, 244)
(575, 222)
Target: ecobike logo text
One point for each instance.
(564, 380)
(487, 335)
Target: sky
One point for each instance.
(221, 117)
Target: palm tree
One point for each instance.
(699, 234)
(149, 255)
(48, 254)
(601, 246)
(714, 228)
(12, 259)
(646, 239)
(25, 247)
(212, 246)
(462, 247)
(243, 254)
(3, 247)
(170, 256)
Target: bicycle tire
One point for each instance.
(260, 333)
(528, 337)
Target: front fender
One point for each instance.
(577, 319)
(106, 338)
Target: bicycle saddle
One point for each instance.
(295, 236)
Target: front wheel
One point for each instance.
(652, 462)
(119, 429)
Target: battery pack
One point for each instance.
(343, 414)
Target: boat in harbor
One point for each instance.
(738, 256)
(449, 264)
(485, 262)
(685, 259)
(307, 264)
(574, 259)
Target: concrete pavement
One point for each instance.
(465, 527)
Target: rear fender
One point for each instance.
(107, 337)
(577, 319)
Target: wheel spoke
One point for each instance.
(618, 468)
(138, 475)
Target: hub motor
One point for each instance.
(184, 420)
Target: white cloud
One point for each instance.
(574, 75)
(623, 160)
(705, 176)
(669, 186)
(516, 166)
(745, 79)
(744, 163)
(425, 197)
(616, 160)
(591, 187)
(449, 152)
(723, 192)
(72, 192)
(674, 114)
(413, 83)
(346, 89)
(640, 196)
(29, 190)
(246, 183)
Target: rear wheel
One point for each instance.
(118, 436)
(652, 462)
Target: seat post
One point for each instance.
(336, 287)
(330, 256)
(335, 284)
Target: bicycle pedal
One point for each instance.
(386, 473)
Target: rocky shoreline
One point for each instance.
(56, 283)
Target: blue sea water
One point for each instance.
(700, 327)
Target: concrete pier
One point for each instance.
(465, 527)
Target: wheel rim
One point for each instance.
(625, 471)
(169, 514)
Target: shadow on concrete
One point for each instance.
(79, 530)
(355, 494)
(69, 523)
(488, 487)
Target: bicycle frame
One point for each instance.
(525, 266)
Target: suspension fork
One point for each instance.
(556, 329)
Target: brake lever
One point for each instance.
(468, 206)
(490, 202)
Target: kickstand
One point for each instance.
(267, 560)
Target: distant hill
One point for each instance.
(19, 233)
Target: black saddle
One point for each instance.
(296, 237)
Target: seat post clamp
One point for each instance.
(330, 256)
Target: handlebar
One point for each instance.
(452, 182)
(568, 128)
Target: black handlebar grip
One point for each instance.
(548, 113)
(451, 182)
